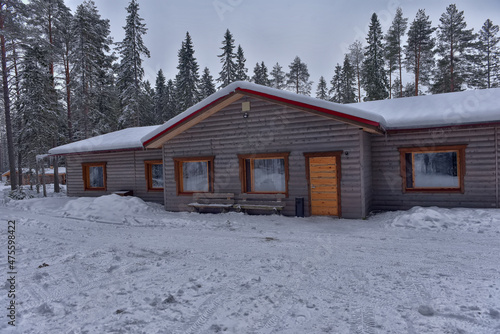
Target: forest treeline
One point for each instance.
(65, 79)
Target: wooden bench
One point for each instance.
(124, 193)
(261, 202)
(219, 201)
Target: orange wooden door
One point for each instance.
(323, 180)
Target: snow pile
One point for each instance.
(108, 208)
(434, 218)
(184, 272)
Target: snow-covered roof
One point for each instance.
(48, 171)
(441, 110)
(349, 112)
(123, 139)
(460, 108)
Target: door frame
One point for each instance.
(338, 156)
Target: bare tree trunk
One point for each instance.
(56, 175)
(37, 175)
(43, 180)
(6, 102)
(452, 79)
(19, 168)
(68, 93)
(400, 75)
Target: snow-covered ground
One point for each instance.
(120, 265)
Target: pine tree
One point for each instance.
(160, 97)
(188, 79)
(419, 54)
(298, 77)
(207, 86)
(10, 21)
(46, 17)
(487, 57)
(394, 46)
(92, 72)
(336, 90)
(374, 76)
(322, 89)
(348, 81)
(278, 77)
(241, 70)
(356, 57)
(454, 50)
(130, 71)
(67, 40)
(408, 89)
(228, 72)
(260, 75)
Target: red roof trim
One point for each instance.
(185, 118)
(308, 106)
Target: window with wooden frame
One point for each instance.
(94, 175)
(264, 173)
(433, 169)
(154, 174)
(194, 175)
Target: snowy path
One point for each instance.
(159, 272)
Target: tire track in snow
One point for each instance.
(362, 320)
(210, 306)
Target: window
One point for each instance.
(94, 175)
(194, 175)
(438, 169)
(154, 174)
(264, 173)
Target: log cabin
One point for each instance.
(250, 146)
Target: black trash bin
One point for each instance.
(299, 206)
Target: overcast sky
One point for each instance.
(318, 31)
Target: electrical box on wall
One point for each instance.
(245, 106)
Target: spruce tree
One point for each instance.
(241, 70)
(147, 105)
(374, 75)
(419, 50)
(454, 50)
(172, 105)
(160, 97)
(487, 57)
(322, 89)
(227, 58)
(394, 46)
(260, 75)
(130, 70)
(187, 80)
(356, 57)
(207, 86)
(278, 77)
(92, 81)
(336, 90)
(298, 77)
(39, 111)
(348, 91)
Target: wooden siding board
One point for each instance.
(124, 170)
(479, 178)
(269, 128)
